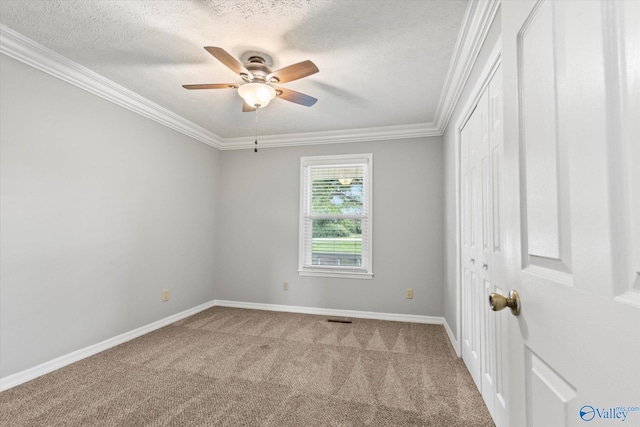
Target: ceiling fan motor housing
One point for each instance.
(260, 71)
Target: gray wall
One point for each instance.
(102, 209)
(258, 234)
(450, 169)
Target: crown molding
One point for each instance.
(23, 49)
(475, 26)
(473, 32)
(334, 136)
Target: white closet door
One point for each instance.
(483, 264)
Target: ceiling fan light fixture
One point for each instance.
(257, 95)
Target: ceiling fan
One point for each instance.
(258, 89)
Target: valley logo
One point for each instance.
(619, 413)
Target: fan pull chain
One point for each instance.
(255, 150)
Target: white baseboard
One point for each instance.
(67, 359)
(59, 362)
(454, 342)
(411, 318)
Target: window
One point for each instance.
(335, 216)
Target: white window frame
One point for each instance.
(365, 271)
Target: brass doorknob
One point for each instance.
(498, 302)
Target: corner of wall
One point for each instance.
(454, 342)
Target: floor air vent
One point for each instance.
(338, 320)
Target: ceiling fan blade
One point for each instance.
(223, 56)
(297, 97)
(246, 108)
(212, 86)
(294, 72)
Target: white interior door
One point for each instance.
(494, 352)
(483, 265)
(471, 218)
(571, 151)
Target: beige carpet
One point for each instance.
(236, 367)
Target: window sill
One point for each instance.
(336, 273)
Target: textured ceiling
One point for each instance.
(382, 63)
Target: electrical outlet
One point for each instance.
(409, 293)
(165, 295)
(285, 286)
